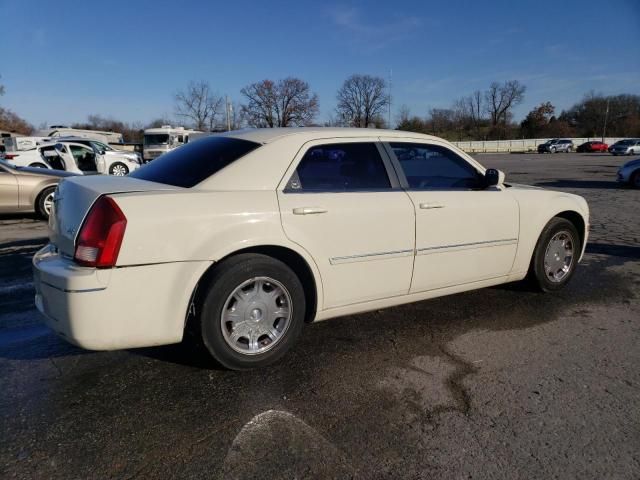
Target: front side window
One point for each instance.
(340, 167)
(433, 167)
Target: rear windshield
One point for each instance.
(190, 164)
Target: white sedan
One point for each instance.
(240, 239)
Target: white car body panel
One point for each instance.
(361, 252)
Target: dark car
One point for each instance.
(556, 145)
(592, 146)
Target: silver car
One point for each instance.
(629, 173)
(630, 146)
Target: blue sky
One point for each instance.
(62, 60)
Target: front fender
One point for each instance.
(537, 208)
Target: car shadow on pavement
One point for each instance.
(628, 251)
(601, 184)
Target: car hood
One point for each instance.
(632, 163)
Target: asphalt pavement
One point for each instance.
(498, 383)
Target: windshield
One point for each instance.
(194, 162)
(623, 142)
(156, 139)
(102, 146)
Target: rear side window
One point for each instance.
(340, 167)
(190, 164)
(433, 167)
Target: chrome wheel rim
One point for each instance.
(256, 315)
(118, 170)
(47, 203)
(558, 257)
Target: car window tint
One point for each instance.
(341, 167)
(190, 164)
(435, 167)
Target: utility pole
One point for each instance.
(390, 77)
(606, 117)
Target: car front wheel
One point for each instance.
(555, 256)
(635, 179)
(252, 311)
(118, 169)
(44, 203)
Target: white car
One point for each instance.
(115, 162)
(239, 239)
(90, 158)
(80, 157)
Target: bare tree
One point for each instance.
(285, 103)
(501, 98)
(1, 88)
(362, 100)
(199, 105)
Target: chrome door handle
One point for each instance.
(309, 210)
(427, 206)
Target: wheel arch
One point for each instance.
(578, 221)
(295, 260)
(38, 192)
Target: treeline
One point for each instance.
(477, 117)
(363, 101)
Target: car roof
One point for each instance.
(268, 135)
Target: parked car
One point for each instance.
(241, 238)
(592, 146)
(556, 145)
(24, 189)
(630, 146)
(87, 157)
(116, 162)
(629, 173)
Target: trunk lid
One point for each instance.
(76, 195)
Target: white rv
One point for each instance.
(164, 139)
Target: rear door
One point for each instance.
(464, 233)
(341, 202)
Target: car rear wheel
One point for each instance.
(37, 165)
(555, 256)
(635, 179)
(118, 169)
(252, 311)
(44, 203)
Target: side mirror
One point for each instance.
(493, 177)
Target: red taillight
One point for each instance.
(10, 156)
(101, 235)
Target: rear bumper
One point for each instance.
(117, 308)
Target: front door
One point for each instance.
(464, 232)
(340, 201)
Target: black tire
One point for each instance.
(41, 209)
(634, 180)
(537, 275)
(207, 327)
(37, 165)
(118, 167)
